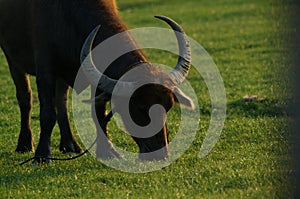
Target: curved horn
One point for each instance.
(181, 70)
(104, 83)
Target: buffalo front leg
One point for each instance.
(23, 93)
(104, 148)
(46, 90)
(67, 142)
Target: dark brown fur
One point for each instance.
(44, 38)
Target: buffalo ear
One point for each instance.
(181, 98)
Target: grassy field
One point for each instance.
(248, 41)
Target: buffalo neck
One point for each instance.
(107, 16)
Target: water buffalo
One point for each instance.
(50, 39)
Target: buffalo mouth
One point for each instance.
(150, 154)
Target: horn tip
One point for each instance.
(160, 16)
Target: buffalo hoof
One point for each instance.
(24, 148)
(43, 152)
(25, 142)
(38, 161)
(71, 147)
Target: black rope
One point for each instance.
(104, 122)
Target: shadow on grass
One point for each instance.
(17, 177)
(14, 174)
(267, 107)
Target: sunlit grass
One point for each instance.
(251, 159)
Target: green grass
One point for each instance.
(248, 41)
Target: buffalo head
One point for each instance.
(160, 91)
